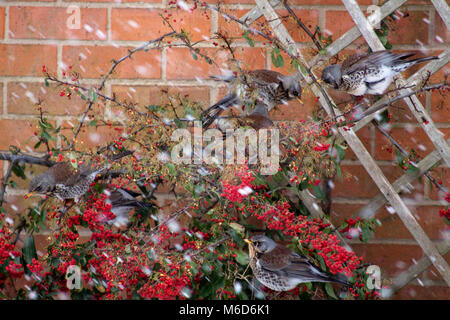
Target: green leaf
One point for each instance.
(46, 82)
(277, 58)
(340, 151)
(242, 258)
(72, 156)
(249, 40)
(330, 291)
(172, 170)
(365, 233)
(194, 55)
(240, 229)
(92, 95)
(29, 250)
(19, 171)
(318, 192)
(412, 170)
(82, 96)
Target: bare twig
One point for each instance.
(406, 154)
(302, 25)
(5, 181)
(443, 85)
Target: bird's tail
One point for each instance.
(209, 115)
(404, 64)
(226, 78)
(419, 60)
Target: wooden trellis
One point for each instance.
(433, 255)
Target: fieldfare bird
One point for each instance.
(123, 202)
(257, 92)
(64, 181)
(371, 73)
(280, 269)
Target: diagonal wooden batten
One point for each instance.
(359, 149)
(345, 40)
(369, 210)
(416, 269)
(376, 173)
(443, 10)
(417, 109)
(432, 67)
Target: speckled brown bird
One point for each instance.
(252, 91)
(122, 203)
(64, 181)
(280, 269)
(370, 73)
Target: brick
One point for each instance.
(441, 34)
(2, 22)
(95, 61)
(391, 258)
(409, 138)
(427, 216)
(439, 101)
(19, 133)
(294, 110)
(144, 95)
(417, 292)
(27, 22)
(356, 182)
(17, 204)
(440, 174)
(405, 30)
(122, 1)
(90, 137)
(24, 96)
(252, 58)
(30, 172)
(232, 29)
(26, 60)
(328, 2)
(365, 135)
(144, 25)
(1, 98)
(338, 23)
(310, 19)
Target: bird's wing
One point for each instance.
(259, 118)
(266, 76)
(78, 174)
(62, 171)
(375, 59)
(278, 259)
(284, 261)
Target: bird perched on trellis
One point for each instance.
(370, 73)
(256, 92)
(122, 203)
(64, 181)
(280, 269)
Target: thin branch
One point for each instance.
(6, 156)
(5, 181)
(443, 85)
(302, 25)
(406, 154)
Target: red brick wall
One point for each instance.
(34, 33)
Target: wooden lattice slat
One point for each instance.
(368, 211)
(388, 191)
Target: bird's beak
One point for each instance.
(298, 99)
(29, 194)
(248, 241)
